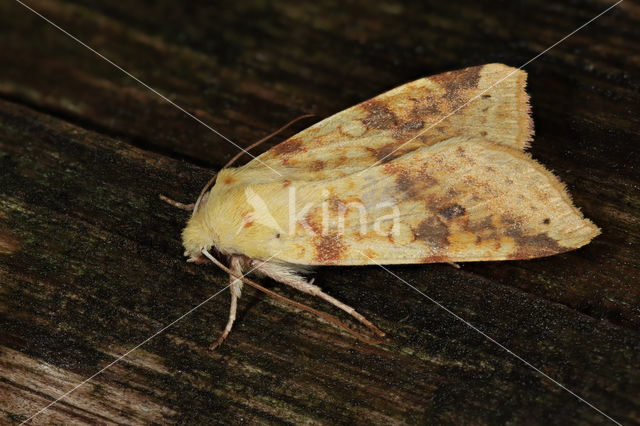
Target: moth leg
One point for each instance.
(235, 288)
(455, 265)
(177, 204)
(289, 277)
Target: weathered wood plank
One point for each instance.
(261, 73)
(246, 68)
(96, 268)
(90, 260)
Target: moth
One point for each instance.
(431, 171)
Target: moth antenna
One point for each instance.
(204, 191)
(176, 204)
(266, 138)
(329, 318)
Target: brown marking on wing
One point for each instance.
(433, 232)
(455, 83)
(314, 220)
(452, 211)
(229, 180)
(329, 249)
(371, 253)
(290, 146)
(355, 199)
(356, 235)
(484, 230)
(509, 221)
(407, 129)
(493, 238)
(379, 116)
(342, 159)
(462, 153)
(425, 107)
(481, 226)
(410, 186)
(286, 183)
(389, 152)
(336, 205)
(539, 245)
(317, 165)
(530, 246)
(406, 184)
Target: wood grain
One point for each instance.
(91, 263)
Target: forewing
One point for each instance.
(488, 102)
(460, 200)
(441, 154)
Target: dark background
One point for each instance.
(91, 261)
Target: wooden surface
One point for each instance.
(91, 261)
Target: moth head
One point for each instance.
(198, 236)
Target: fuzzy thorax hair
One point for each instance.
(199, 234)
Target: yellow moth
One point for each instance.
(431, 171)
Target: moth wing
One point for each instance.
(462, 187)
(488, 102)
(460, 200)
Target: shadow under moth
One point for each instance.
(431, 171)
